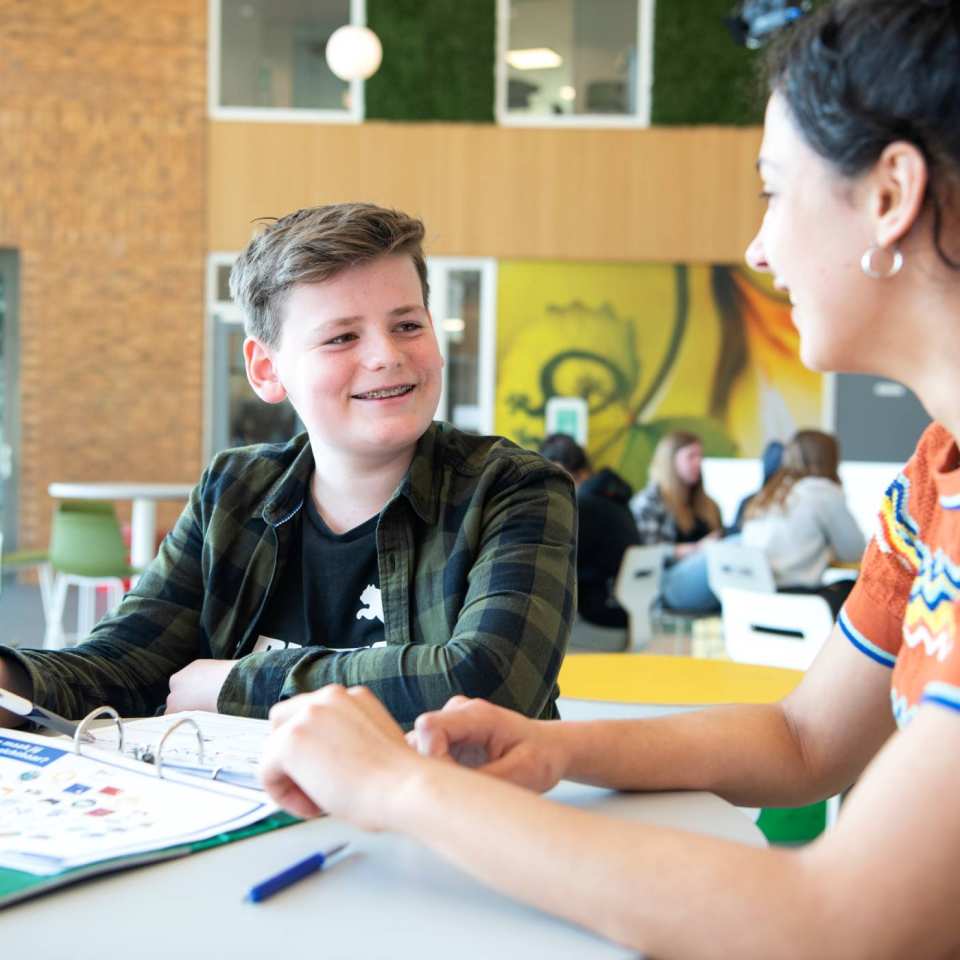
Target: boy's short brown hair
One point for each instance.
(313, 245)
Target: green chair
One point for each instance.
(793, 826)
(86, 551)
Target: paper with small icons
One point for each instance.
(60, 809)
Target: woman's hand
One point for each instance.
(336, 750)
(499, 742)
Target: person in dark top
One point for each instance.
(770, 461)
(606, 529)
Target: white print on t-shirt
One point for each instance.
(266, 644)
(373, 604)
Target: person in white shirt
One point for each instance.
(800, 518)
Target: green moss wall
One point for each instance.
(699, 74)
(438, 60)
(438, 63)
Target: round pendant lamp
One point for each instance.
(354, 53)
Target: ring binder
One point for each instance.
(76, 812)
(228, 748)
(94, 714)
(173, 726)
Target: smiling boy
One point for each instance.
(378, 547)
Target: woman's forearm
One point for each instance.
(697, 750)
(671, 893)
(813, 744)
(665, 892)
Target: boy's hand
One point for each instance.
(197, 686)
(339, 751)
(496, 741)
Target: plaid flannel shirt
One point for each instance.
(655, 522)
(476, 551)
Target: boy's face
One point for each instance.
(358, 359)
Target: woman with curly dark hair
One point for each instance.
(860, 163)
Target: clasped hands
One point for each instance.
(338, 750)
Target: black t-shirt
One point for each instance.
(328, 593)
(697, 532)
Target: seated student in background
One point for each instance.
(606, 528)
(860, 161)
(770, 463)
(674, 508)
(379, 547)
(800, 518)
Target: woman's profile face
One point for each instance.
(813, 234)
(687, 462)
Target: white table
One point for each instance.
(388, 898)
(143, 523)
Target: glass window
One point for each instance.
(9, 396)
(461, 325)
(272, 56)
(463, 309)
(223, 283)
(563, 61)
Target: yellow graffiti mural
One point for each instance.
(651, 347)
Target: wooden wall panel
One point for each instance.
(656, 195)
(102, 165)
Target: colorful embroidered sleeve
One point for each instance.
(872, 618)
(903, 611)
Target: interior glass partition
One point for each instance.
(574, 61)
(9, 396)
(268, 60)
(463, 306)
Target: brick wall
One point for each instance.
(102, 161)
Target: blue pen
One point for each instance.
(285, 878)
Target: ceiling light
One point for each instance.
(354, 53)
(535, 58)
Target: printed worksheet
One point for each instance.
(60, 809)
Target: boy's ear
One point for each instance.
(261, 371)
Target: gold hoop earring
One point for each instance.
(880, 263)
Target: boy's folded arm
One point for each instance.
(128, 659)
(506, 646)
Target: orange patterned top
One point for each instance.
(903, 610)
